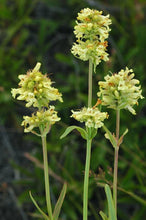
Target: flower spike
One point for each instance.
(91, 30)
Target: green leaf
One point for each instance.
(93, 133)
(38, 208)
(103, 215)
(36, 215)
(69, 129)
(59, 203)
(122, 136)
(110, 136)
(111, 208)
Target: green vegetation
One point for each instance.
(42, 31)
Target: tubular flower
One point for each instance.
(91, 30)
(35, 88)
(44, 117)
(120, 90)
(91, 116)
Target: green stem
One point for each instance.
(88, 150)
(86, 180)
(46, 176)
(116, 161)
(117, 124)
(90, 84)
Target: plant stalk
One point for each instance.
(46, 176)
(88, 150)
(86, 180)
(90, 84)
(116, 161)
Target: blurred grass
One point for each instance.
(34, 30)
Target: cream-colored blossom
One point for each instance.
(91, 116)
(91, 30)
(120, 90)
(90, 50)
(43, 118)
(36, 89)
(92, 24)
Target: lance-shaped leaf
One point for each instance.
(111, 208)
(110, 136)
(38, 208)
(69, 129)
(121, 138)
(59, 203)
(103, 215)
(93, 133)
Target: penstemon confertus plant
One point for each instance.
(37, 91)
(91, 31)
(119, 91)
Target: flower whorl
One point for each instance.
(120, 90)
(91, 116)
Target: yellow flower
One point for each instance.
(120, 90)
(36, 89)
(90, 50)
(91, 24)
(91, 116)
(91, 30)
(44, 118)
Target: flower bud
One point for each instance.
(40, 90)
(30, 84)
(37, 78)
(40, 85)
(38, 114)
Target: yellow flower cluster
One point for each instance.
(43, 118)
(35, 89)
(91, 31)
(91, 116)
(120, 90)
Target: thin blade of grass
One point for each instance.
(38, 208)
(111, 208)
(59, 203)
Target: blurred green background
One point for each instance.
(42, 30)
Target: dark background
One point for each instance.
(35, 30)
